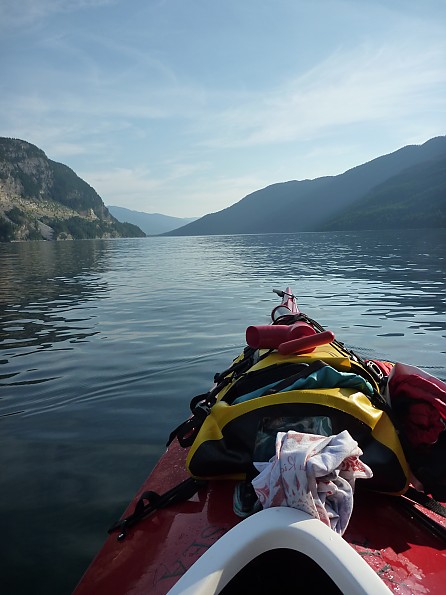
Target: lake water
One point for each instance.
(103, 343)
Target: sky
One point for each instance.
(183, 107)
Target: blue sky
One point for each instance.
(182, 107)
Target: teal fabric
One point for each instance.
(326, 377)
(255, 393)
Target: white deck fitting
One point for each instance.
(275, 528)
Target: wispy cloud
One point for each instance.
(113, 183)
(140, 186)
(372, 85)
(351, 85)
(155, 111)
(32, 12)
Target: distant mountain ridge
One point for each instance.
(150, 223)
(413, 199)
(43, 199)
(315, 205)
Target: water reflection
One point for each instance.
(390, 273)
(45, 287)
(43, 296)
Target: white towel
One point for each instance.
(313, 473)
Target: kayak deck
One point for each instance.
(401, 542)
(408, 556)
(159, 549)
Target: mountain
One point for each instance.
(43, 199)
(415, 198)
(150, 223)
(310, 205)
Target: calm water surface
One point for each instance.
(103, 343)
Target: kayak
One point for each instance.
(234, 504)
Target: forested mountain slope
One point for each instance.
(415, 198)
(310, 205)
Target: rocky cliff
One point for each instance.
(43, 199)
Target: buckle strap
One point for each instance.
(201, 405)
(151, 501)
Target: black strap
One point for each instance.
(426, 501)
(201, 405)
(415, 513)
(290, 319)
(249, 354)
(187, 431)
(303, 373)
(366, 371)
(151, 501)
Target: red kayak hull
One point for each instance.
(408, 556)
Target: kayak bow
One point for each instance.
(198, 540)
